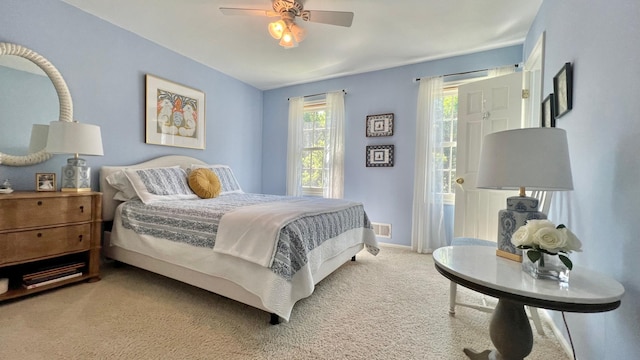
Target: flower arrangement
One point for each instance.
(543, 237)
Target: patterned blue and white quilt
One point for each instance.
(196, 222)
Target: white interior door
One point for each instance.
(484, 107)
(533, 69)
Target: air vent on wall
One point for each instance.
(382, 230)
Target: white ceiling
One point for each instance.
(384, 34)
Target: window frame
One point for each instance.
(315, 191)
(449, 198)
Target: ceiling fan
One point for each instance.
(286, 30)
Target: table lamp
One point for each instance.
(533, 158)
(74, 138)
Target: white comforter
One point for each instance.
(251, 232)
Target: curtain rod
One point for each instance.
(466, 72)
(343, 90)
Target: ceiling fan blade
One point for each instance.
(249, 12)
(340, 18)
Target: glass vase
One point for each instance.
(547, 267)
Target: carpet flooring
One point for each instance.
(393, 306)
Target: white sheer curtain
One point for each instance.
(294, 146)
(427, 230)
(334, 154)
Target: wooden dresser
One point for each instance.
(43, 235)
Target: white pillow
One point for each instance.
(160, 184)
(121, 196)
(121, 183)
(229, 183)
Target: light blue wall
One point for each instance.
(105, 66)
(387, 193)
(602, 40)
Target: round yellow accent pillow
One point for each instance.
(204, 183)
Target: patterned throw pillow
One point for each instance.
(204, 183)
(228, 181)
(160, 184)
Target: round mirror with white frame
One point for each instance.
(64, 97)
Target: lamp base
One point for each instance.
(75, 189)
(508, 255)
(519, 210)
(76, 176)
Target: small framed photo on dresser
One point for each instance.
(46, 182)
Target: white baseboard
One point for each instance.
(384, 244)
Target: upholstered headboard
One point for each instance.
(108, 192)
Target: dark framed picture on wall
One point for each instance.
(380, 155)
(380, 125)
(548, 111)
(563, 90)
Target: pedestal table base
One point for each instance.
(510, 333)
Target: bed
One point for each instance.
(265, 251)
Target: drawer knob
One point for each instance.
(39, 202)
(39, 235)
(79, 238)
(82, 209)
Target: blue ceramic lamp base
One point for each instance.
(519, 210)
(76, 176)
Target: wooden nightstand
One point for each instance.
(44, 233)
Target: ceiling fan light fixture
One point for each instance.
(298, 32)
(288, 41)
(289, 10)
(277, 29)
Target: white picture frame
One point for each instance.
(174, 114)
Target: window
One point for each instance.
(315, 137)
(315, 146)
(449, 127)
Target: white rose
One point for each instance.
(573, 243)
(522, 236)
(550, 238)
(535, 225)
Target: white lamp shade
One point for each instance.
(74, 138)
(533, 158)
(38, 140)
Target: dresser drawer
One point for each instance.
(35, 212)
(26, 245)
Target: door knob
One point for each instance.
(460, 181)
